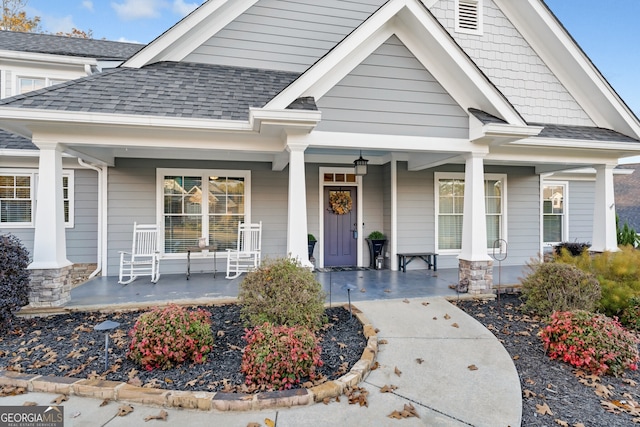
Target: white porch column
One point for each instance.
(474, 223)
(297, 246)
(49, 243)
(604, 211)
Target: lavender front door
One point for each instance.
(340, 239)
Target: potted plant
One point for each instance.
(376, 241)
(311, 241)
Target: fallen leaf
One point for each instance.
(191, 383)
(455, 325)
(269, 422)
(387, 290)
(561, 423)
(406, 412)
(396, 415)
(383, 342)
(610, 406)
(578, 425)
(253, 425)
(529, 381)
(363, 290)
(446, 316)
(168, 380)
(220, 334)
(472, 367)
(397, 371)
(406, 301)
(388, 388)
(528, 393)
(342, 345)
(420, 360)
(105, 402)
(29, 404)
(135, 381)
(75, 414)
(124, 410)
(516, 357)
(435, 318)
(58, 400)
(425, 303)
(326, 400)
(629, 381)
(161, 416)
(375, 366)
(602, 391)
(543, 409)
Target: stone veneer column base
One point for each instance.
(479, 274)
(50, 287)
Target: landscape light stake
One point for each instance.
(349, 287)
(499, 254)
(106, 326)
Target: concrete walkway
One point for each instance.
(430, 341)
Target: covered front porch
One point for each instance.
(102, 293)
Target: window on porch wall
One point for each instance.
(451, 206)
(553, 213)
(198, 206)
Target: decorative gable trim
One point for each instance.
(469, 16)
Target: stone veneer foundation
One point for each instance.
(50, 287)
(479, 274)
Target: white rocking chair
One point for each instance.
(247, 256)
(144, 258)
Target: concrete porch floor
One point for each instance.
(203, 287)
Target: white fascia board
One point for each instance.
(46, 57)
(570, 65)
(580, 144)
(32, 115)
(7, 152)
(303, 120)
(357, 141)
(193, 30)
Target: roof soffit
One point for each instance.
(429, 42)
(192, 31)
(570, 64)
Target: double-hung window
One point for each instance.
(18, 198)
(449, 188)
(202, 204)
(27, 84)
(554, 218)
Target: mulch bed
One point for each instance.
(572, 398)
(67, 345)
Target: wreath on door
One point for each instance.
(341, 202)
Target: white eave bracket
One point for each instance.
(280, 122)
(501, 133)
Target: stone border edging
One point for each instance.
(203, 400)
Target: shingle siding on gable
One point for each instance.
(391, 92)
(515, 68)
(284, 35)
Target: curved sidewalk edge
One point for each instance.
(450, 364)
(221, 401)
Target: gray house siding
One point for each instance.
(132, 197)
(284, 35)
(386, 208)
(82, 239)
(581, 203)
(514, 67)
(390, 92)
(373, 206)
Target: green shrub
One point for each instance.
(574, 248)
(14, 278)
(164, 337)
(618, 274)
(311, 238)
(589, 341)
(630, 317)
(376, 235)
(626, 235)
(554, 286)
(278, 357)
(282, 292)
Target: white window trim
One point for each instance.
(565, 213)
(480, 9)
(437, 176)
(33, 174)
(205, 173)
(47, 81)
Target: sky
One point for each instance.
(606, 30)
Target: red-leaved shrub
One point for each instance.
(277, 357)
(590, 341)
(164, 337)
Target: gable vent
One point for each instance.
(469, 16)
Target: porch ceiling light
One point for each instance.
(360, 165)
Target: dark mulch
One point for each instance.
(550, 382)
(67, 345)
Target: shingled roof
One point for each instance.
(170, 89)
(12, 141)
(69, 46)
(586, 133)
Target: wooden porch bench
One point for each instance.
(431, 258)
